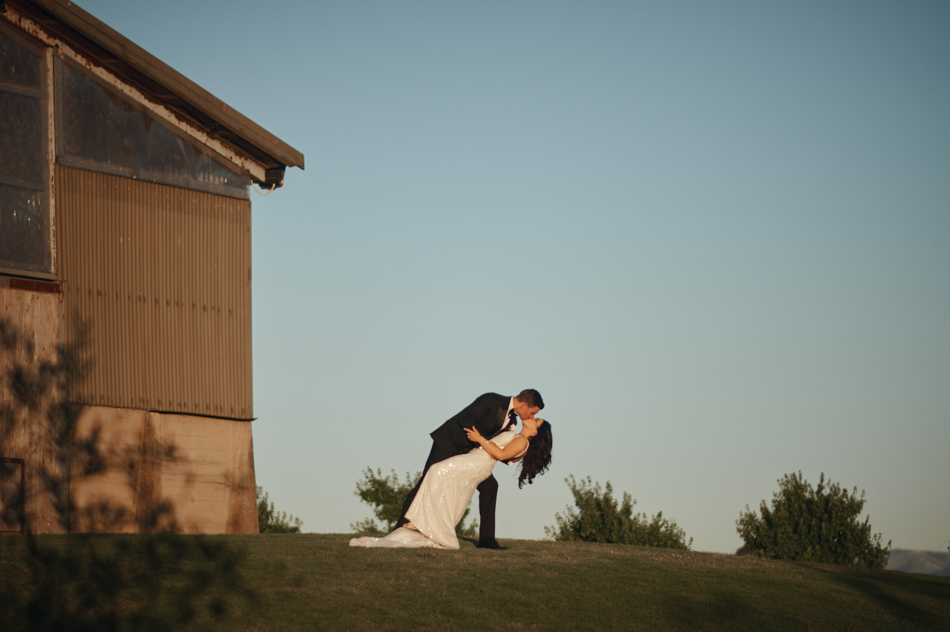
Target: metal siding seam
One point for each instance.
(220, 282)
(201, 275)
(115, 210)
(228, 274)
(194, 291)
(178, 325)
(132, 356)
(152, 253)
(124, 361)
(168, 323)
(188, 276)
(86, 222)
(233, 275)
(240, 352)
(98, 279)
(211, 256)
(74, 226)
(102, 303)
(103, 281)
(141, 209)
(91, 241)
(220, 256)
(208, 256)
(97, 269)
(111, 279)
(160, 235)
(245, 322)
(244, 302)
(184, 316)
(127, 358)
(210, 281)
(78, 223)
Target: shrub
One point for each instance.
(596, 517)
(270, 521)
(386, 495)
(813, 524)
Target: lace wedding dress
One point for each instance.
(441, 500)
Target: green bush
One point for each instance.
(270, 521)
(813, 524)
(596, 517)
(386, 495)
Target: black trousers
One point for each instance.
(487, 493)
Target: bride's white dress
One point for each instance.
(441, 500)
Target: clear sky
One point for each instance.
(714, 235)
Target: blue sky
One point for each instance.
(715, 236)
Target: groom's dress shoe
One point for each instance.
(491, 544)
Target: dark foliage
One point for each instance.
(813, 525)
(596, 517)
(269, 520)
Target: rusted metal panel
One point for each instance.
(162, 273)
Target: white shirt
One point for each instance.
(507, 422)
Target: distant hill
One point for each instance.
(923, 562)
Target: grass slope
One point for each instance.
(316, 582)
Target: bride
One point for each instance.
(448, 486)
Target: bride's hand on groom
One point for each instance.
(474, 435)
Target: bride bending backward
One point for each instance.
(449, 485)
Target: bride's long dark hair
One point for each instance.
(538, 458)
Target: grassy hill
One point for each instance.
(316, 582)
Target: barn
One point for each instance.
(125, 211)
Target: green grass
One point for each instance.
(316, 582)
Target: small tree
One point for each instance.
(386, 495)
(813, 524)
(270, 521)
(596, 517)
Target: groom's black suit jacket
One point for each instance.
(486, 414)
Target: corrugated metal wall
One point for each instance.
(163, 274)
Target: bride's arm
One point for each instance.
(517, 445)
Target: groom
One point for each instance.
(490, 414)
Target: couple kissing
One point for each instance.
(464, 452)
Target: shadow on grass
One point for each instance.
(727, 610)
(110, 582)
(881, 590)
